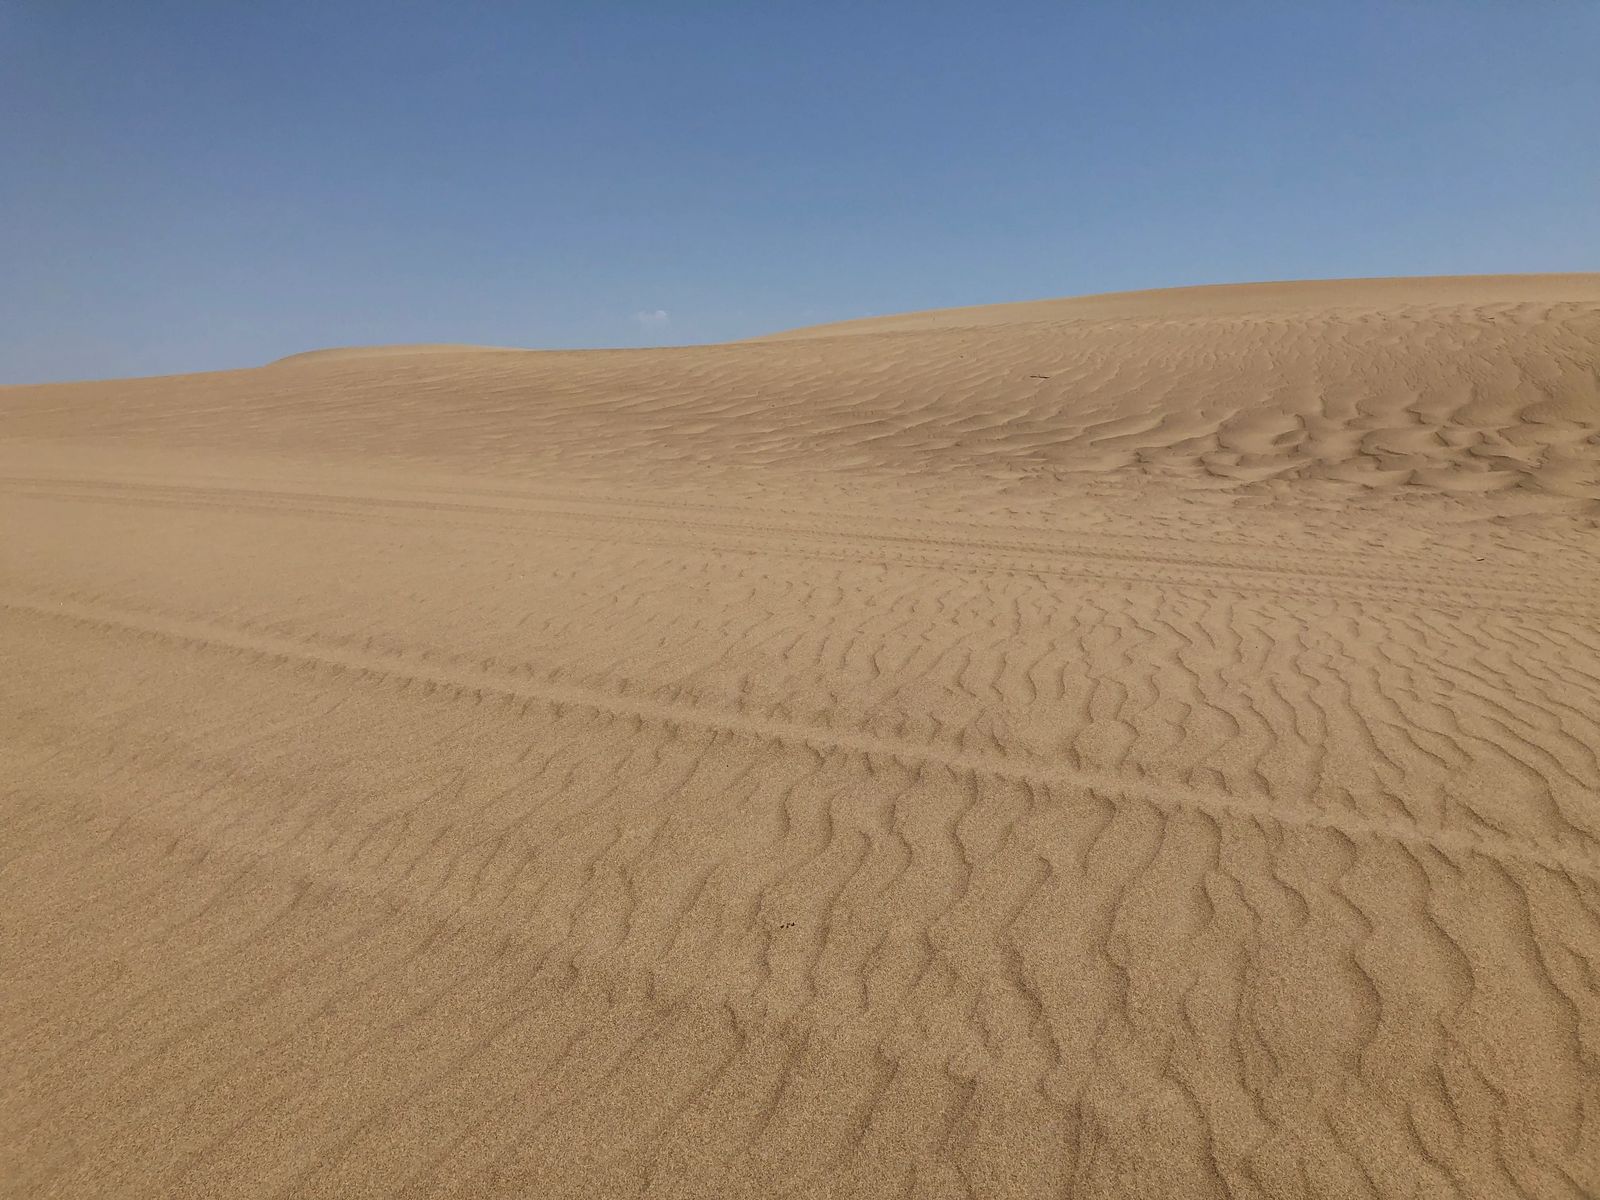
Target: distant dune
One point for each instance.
(1134, 745)
(338, 353)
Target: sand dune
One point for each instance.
(1133, 745)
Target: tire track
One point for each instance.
(481, 685)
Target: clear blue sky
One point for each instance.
(196, 185)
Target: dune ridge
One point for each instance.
(1128, 745)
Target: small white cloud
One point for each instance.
(653, 321)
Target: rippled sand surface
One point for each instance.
(1140, 745)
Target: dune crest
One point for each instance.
(346, 353)
(1129, 745)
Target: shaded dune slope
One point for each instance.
(1133, 745)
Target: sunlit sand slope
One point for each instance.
(1141, 745)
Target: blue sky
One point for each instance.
(187, 186)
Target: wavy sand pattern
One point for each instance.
(1137, 745)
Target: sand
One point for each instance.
(1139, 745)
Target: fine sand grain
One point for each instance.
(1140, 745)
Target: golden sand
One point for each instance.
(1140, 745)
